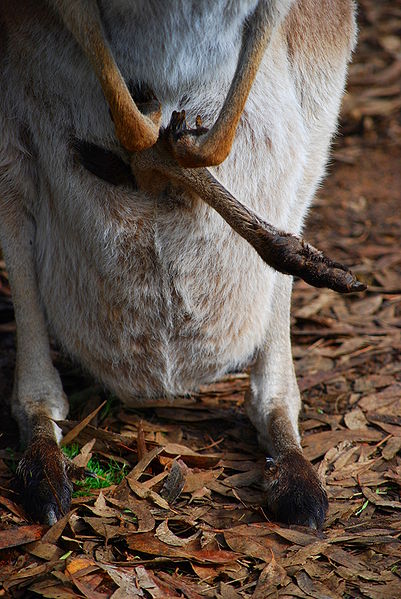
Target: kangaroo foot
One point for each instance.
(295, 494)
(44, 475)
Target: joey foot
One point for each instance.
(188, 146)
(295, 494)
(178, 126)
(292, 255)
(44, 475)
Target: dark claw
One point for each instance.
(178, 126)
(270, 467)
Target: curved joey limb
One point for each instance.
(136, 130)
(286, 253)
(211, 147)
(194, 148)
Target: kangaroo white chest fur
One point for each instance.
(153, 292)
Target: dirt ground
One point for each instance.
(188, 520)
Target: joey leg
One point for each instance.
(294, 492)
(38, 397)
(134, 129)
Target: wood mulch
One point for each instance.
(188, 519)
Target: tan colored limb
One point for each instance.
(212, 148)
(135, 130)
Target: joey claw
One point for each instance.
(178, 124)
(179, 133)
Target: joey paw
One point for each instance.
(178, 127)
(185, 142)
(295, 495)
(44, 480)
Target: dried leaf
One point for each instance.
(314, 588)
(51, 591)
(124, 579)
(147, 543)
(174, 482)
(73, 433)
(143, 464)
(85, 454)
(167, 536)
(101, 509)
(19, 535)
(391, 448)
(149, 583)
(254, 541)
(140, 509)
(145, 493)
(355, 420)
(272, 576)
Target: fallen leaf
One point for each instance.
(81, 460)
(140, 509)
(272, 576)
(175, 481)
(19, 535)
(148, 582)
(74, 432)
(167, 536)
(143, 464)
(355, 420)
(124, 579)
(391, 448)
(147, 543)
(145, 493)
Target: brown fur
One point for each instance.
(320, 30)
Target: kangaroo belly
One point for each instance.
(168, 299)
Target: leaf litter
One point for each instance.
(188, 519)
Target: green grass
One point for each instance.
(107, 473)
(362, 508)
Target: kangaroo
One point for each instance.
(120, 225)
